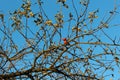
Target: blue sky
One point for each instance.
(51, 9)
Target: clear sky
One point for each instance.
(51, 9)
